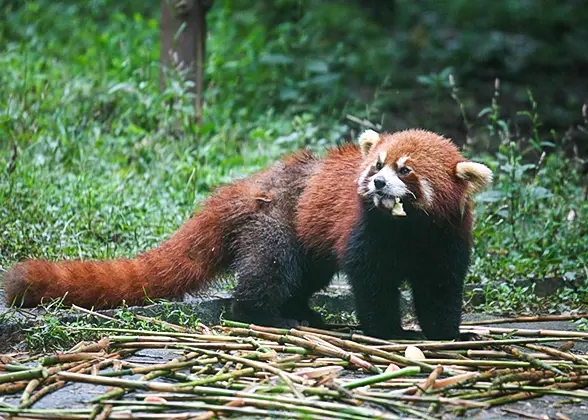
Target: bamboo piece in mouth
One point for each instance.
(398, 210)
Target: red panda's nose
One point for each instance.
(379, 182)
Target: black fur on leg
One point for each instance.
(267, 261)
(383, 251)
(437, 284)
(251, 313)
(299, 310)
(317, 275)
(373, 273)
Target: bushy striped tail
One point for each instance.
(191, 258)
(185, 262)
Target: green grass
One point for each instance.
(98, 163)
(49, 332)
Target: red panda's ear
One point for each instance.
(367, 140)
(476, 174)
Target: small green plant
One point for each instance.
(526, 225)
(53, 329)
(183, 316)
(508, 299)
(504, 298)
(581, 324)
(438, 82)
(343, 317)
(51, 333)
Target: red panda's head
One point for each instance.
(419, 169)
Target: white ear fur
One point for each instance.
(366, 141)
(476, 174)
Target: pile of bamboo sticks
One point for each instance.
(240, 369)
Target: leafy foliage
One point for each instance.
(99, 163)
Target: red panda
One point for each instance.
(394, 207)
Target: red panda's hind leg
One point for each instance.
(267, 261)
(318, 273)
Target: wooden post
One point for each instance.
(183, 42)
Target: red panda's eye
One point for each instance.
(404, 171)
(379, 165)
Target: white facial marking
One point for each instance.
(383, 156)
(400, 162)
(394, 186)
(362, 190)
(427, 192)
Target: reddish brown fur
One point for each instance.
(325, 218)
(321, 205)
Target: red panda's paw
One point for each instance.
(306, 317)
(470, 336)
(251, 313)
(277, 322)
(314, 319)
(394, 334)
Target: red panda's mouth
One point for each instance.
(383, 196)
(391, 204)
(381, 199)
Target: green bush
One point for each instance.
(98, 163)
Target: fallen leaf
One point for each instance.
(392, 368)
(414, 353)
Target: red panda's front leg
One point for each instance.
(437, 285)
(374, 278)
(377, 305)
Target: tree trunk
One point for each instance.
(183, 41)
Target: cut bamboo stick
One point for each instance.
(253, 370)
(528, 332)
(541, 318)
